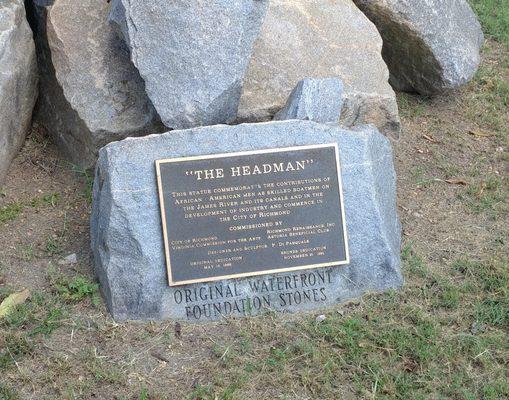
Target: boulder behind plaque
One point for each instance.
(127, 230)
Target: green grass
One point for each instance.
(494, 311)
(77, 289)
(4, 291)
(26, 251)
(412, 106)
(414, 263)
(87, 176)
(448, 295)
(42, 314)
(103, 371)
(494, 18)
(417, 344)
(14, 346)
(48, 200)
(488, 101)
(490, 194)
(144, 394)
(492, 277)
(492, 95)
(12, 210)
(50, 322)
(53, 246)
(7, 393)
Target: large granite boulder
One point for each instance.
(430, 46)
(90, 93)
(126, 233)
(192, 54)
(18, 80)
(319, 39)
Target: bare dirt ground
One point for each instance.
(444, 336)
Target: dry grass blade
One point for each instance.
(456, 182)
(480, 133)
(430, 138)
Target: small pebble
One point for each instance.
(320, 318)
(70, 259)
(477, 328)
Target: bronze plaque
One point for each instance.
(251, 213)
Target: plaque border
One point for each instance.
(158, 163)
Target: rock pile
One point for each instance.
(132, 67)
(320, 39)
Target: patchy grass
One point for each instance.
(14, 345)
(87, 176)
(42, 314)
(12, 210)
(487, 100)
(411, 106)
(54, 246)
(492, 276)
(447, 334)
(411, 345)
(490, 98)
(414, 262)
(7, 393)
(490, 194)
(48, 200)
(76, 289)
(103, 371)
(494, 18)
(26, 251)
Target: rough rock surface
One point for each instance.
(192, 54)
(18, 80)
(430, 46)
(91, 94)
(126, 235)
(317, 39)
(318, 100)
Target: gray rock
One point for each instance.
(318, 100)
(320, 318)
(69, 260)
(91, 94)
(430, 46)
(126, 234)
(192, 54)
(316, 39)
(18, 80)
